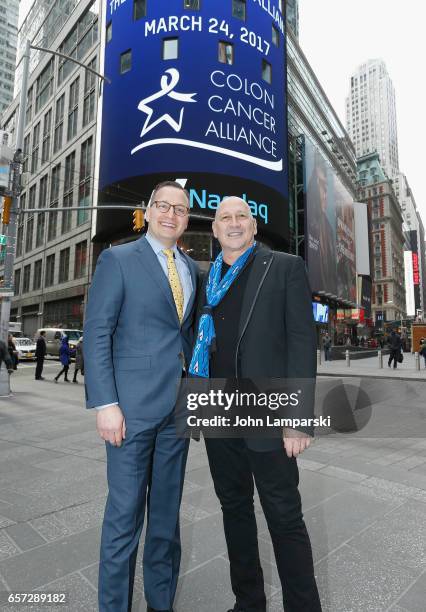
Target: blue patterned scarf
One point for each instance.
(216, 289)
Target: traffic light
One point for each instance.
(7, 205)
(138, 220)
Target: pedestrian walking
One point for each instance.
(5, 357)
(12, 351)
(79, 360)
(40, 354)
(395, 345)
(422, 349)
(326, 343)
(65, 357)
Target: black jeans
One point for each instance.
(63, 371)
(39, 367)
(394, 354)
(233, 467)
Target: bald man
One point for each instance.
(260, 305)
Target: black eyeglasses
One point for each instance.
(179, 209)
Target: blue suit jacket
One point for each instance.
(133, 341)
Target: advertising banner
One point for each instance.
(410, 304)
(330, 229)
(197, 91)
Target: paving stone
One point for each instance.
(351, 581)
(347, 475)
(25, 536)
(336, 520)
(5, 521)
(50, 528)
(81, 595)
(414, 599)
(7, 546)
(55, 560)
(400, 536)
(201, 541)
(306, 464)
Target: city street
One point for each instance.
(364, 502)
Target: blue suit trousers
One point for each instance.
(147, 471)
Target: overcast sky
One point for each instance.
(338, 35)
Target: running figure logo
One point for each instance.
(168, 82)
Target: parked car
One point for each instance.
(53, 339)
(25, 348)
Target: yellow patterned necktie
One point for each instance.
(175, 283)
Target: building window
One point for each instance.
(125, 61)
(192, 5)
(37, 275)
(266, 71)
(275, 36)
(109, 32)
(64, 265)
(78, 42)
(17, 282)
(19, 239)
(54, 199)
(68, 192)
(26, 165)
(84, 189)
(80, 261)
(35, 150)
(59, 123)
(73, 109)
(29, 235)
(26, 279)
(170, 48)
(139, 9)
(42, 203)
(89, 94)
(44, 86)
(239, 9)
(47, 125)
(50, 271)
(226, 53)
(29, 110)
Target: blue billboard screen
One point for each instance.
(196, 93)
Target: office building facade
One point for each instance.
(371, 115)
(386, 240)
(9, 12)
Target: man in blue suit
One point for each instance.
(138, 335)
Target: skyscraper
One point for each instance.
(9, 11)
(371, 115)
(293, 16)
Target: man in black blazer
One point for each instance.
(264, 329)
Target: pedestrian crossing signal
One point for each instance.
(138, 220)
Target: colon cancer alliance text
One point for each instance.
(267, 421)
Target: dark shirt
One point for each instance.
(226, 317)
(41, 348)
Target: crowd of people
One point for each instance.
(9, 355)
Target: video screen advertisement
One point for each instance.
(196, 94)
(330, 229)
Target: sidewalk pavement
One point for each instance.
(369, 367)
(364, 502)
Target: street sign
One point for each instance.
(4, 294)
(3, 239)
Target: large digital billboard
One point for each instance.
(197, 91)
(330, 229)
